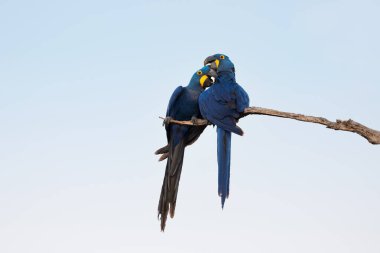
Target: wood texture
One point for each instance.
(373, 136)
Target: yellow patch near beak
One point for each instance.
(217, 63)
(203, 79)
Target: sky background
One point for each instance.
(82, 84)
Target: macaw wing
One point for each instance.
(242, 98)
(176, 94)
(172, 107)
(220, 112)
(194, 133)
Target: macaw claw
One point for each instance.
(166, 121)
(196, 121)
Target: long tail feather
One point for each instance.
(169, 190)
(163, 157)
(162, 150)
(224, 158)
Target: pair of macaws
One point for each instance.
(222, 104)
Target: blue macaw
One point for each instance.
(183, 105)
(223, 104)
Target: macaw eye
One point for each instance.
(222, 57)
(199, 72)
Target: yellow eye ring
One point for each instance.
(199, 72)
(222, 57)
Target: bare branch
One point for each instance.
(371, 135)
(198, 122)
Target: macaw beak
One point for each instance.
(211, 77)
(208, 79)
(213, 61)
(209, 59)
(212, 73)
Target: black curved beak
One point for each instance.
(209, 59)
(212, 61)
(212, 73)
(211, 77)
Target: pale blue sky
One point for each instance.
(82, 84)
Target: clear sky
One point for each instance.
(82, 84)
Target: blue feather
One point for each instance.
(223, 104)
(224, 160)
(183, 105)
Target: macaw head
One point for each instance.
(220, 63)
(203, 78)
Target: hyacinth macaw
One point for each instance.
(223, 104)
(183, 105)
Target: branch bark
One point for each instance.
(373, 136)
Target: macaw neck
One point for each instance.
(226, 76)
(195, 86)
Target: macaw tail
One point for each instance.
(224, 158)
(170, 184)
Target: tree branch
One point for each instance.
(371, 135)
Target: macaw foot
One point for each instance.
(196, 121)
(167, 121)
